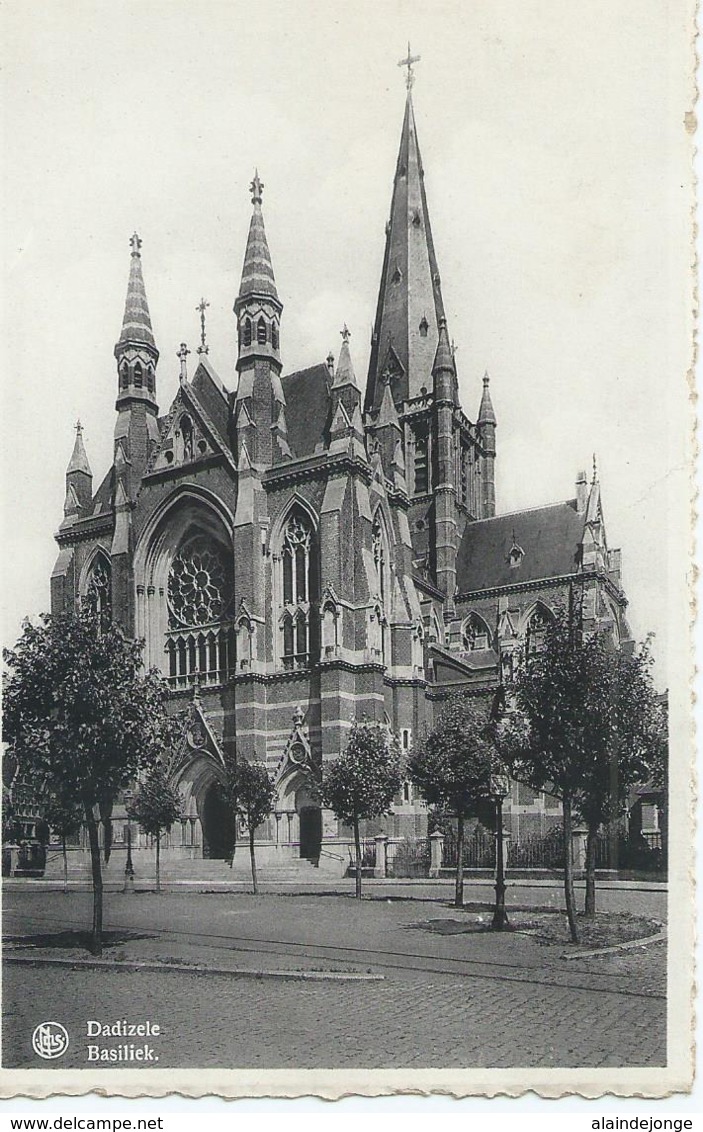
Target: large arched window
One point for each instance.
(298, 589)
(536, 629)
(201, 639)
(475, 634)
(98, 591)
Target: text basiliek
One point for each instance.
(125, 1051)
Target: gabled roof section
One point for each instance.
(410, 299)
(549, 537)
(307, 394)
(211, 394)
(209, 425)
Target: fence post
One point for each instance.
(436, 851)
(380, 868)
(578, 847)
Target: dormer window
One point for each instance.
(397, 275)
(515, 555)
(416, 218)
(424, 327)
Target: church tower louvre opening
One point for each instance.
(298, 554)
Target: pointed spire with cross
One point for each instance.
(202, 306)
(182, 353)
(345, 332)
(408, 62)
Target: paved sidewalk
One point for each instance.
(452, 994)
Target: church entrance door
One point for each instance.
(310, 832)
(218, 825)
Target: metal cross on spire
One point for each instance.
(408, 62)
(345, 332)
(78, 426)
(202, 307)
(136, 244)
(595, 468)
(256, 188)
(182, 353)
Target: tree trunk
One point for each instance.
(158, 861)
(591, 839)
(459, 884)
(253, 859)
(97, 937)
(569, 872)
(65, 865)
(357, 844)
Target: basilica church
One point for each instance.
(312, 549)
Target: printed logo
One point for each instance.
(50, 1040)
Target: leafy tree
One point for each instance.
(79, 715)
(362, 782)
(581, 730)
(621, 740)
(249, 792)
(155, 807)
(65, 816)
(452, 765)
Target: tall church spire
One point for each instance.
(135, 350)
(136, 324)
(136, 429)
(406, 329)
(257, 306)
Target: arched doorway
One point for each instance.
(310, 832)
(218, 825)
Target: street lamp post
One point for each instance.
(500, 788)
(129, 867)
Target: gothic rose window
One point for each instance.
(200, 641)
(98, 594)
(199, 584)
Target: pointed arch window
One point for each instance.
(138, 376)
(381, 556)
(475, 635)
(98, 592)
(247, 331)
(536, 630)
(329, 628)
(421, 462)
(297, 589)
(124, 375)
(261, 335)
(274, 336)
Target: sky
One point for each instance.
(557, 169)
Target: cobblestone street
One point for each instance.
(452, 993)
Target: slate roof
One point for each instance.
(212, 395)
(549, 536)
(307, 408)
